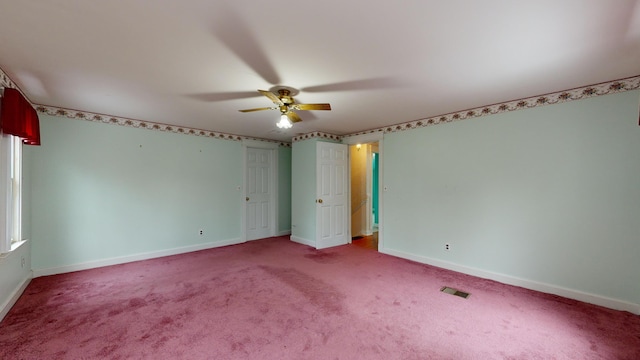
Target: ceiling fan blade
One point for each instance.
(273, 97)
(293, 117)
(365, 84)
(257, 109)
(311, 106)
(222, 96)
(236, 35)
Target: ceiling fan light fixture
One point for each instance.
(284, 122)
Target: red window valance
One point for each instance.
(19, 118)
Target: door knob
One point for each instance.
(247, 198)
(320, 201)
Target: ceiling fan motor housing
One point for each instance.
(285, 96)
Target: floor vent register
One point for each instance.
(452, 291)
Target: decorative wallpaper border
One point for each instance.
(316, 134)
(610, 87)
(5, 82)
(114, 120)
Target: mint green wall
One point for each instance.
(284, 189)
(101, 191)
(550, 194)
(303, 190)
(26, 190)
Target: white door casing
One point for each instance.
(259, 193)
(382, 187)
(332, 195)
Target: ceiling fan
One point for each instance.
(282, 97)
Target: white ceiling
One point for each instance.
(195, 63)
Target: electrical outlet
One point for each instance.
(447, 246)
(22, 261)
(201, 232)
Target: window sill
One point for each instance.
(17, 244)
(14, 247)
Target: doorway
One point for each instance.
(364, 181)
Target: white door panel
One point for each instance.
(258, 194)
(331, 194)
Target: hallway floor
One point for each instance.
(367, 242)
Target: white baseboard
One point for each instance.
(302, 241)
(315, 244)
(4, 308)
(132, 258)
(284, 233)
(528, 284)
(327, 244)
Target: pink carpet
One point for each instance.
(274, 299)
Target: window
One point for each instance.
(10, 192)
(16, 189)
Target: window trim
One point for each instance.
(16, 190)
(10, 193)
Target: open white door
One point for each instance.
(331, 201)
